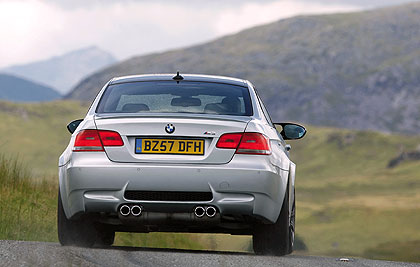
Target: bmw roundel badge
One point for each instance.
(170, 128)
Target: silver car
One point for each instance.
(183, 153)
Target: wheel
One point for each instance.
(278, 238)
(105, 238)
(81, 232)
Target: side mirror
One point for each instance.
(73, 125)
(291, 131)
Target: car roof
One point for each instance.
(187, 77)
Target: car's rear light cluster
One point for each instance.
(96, 140)
(245, 143)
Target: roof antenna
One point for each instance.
(178, 77)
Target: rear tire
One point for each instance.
(278, 238)
(81, 232)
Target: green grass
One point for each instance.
(399, 251)
(348, 202)
(37, 132)
(27, 208)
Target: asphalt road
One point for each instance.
(21, 253)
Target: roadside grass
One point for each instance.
(27, 208)
(219, 242)
(397, 251)
(348, 202)
(160, 240)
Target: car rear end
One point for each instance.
(190, 155)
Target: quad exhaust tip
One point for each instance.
(211, 211)
(199, 211)
(125, 210)
(135, 210)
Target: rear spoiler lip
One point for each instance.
(244, 119)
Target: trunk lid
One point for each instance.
(187, 127)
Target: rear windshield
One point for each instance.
(172, 97)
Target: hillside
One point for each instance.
(355, 70)
(37, 132)
(349, 202)
(20, 90)
(64, 71)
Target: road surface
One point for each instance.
(22, 253)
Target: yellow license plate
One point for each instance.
(169, 146)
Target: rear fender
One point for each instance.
(292, 172)
(63, 191)
(87, 123)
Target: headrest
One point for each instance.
(135, 107)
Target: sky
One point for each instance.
(33, 30)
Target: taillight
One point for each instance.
(230, 140)
(254, 143)
(95, 140)
(245, 143)
(88, 140)
(110, 138)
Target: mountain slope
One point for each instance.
(20, 90)
(63, 72)
(356, 70)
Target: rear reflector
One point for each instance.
(245, 143)
(94, 140)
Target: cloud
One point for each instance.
(252, 13)
(34, 29)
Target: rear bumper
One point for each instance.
(90, 183)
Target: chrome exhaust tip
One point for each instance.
(136, 210)
(124, 210)
(211, 211)
(199, 211)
